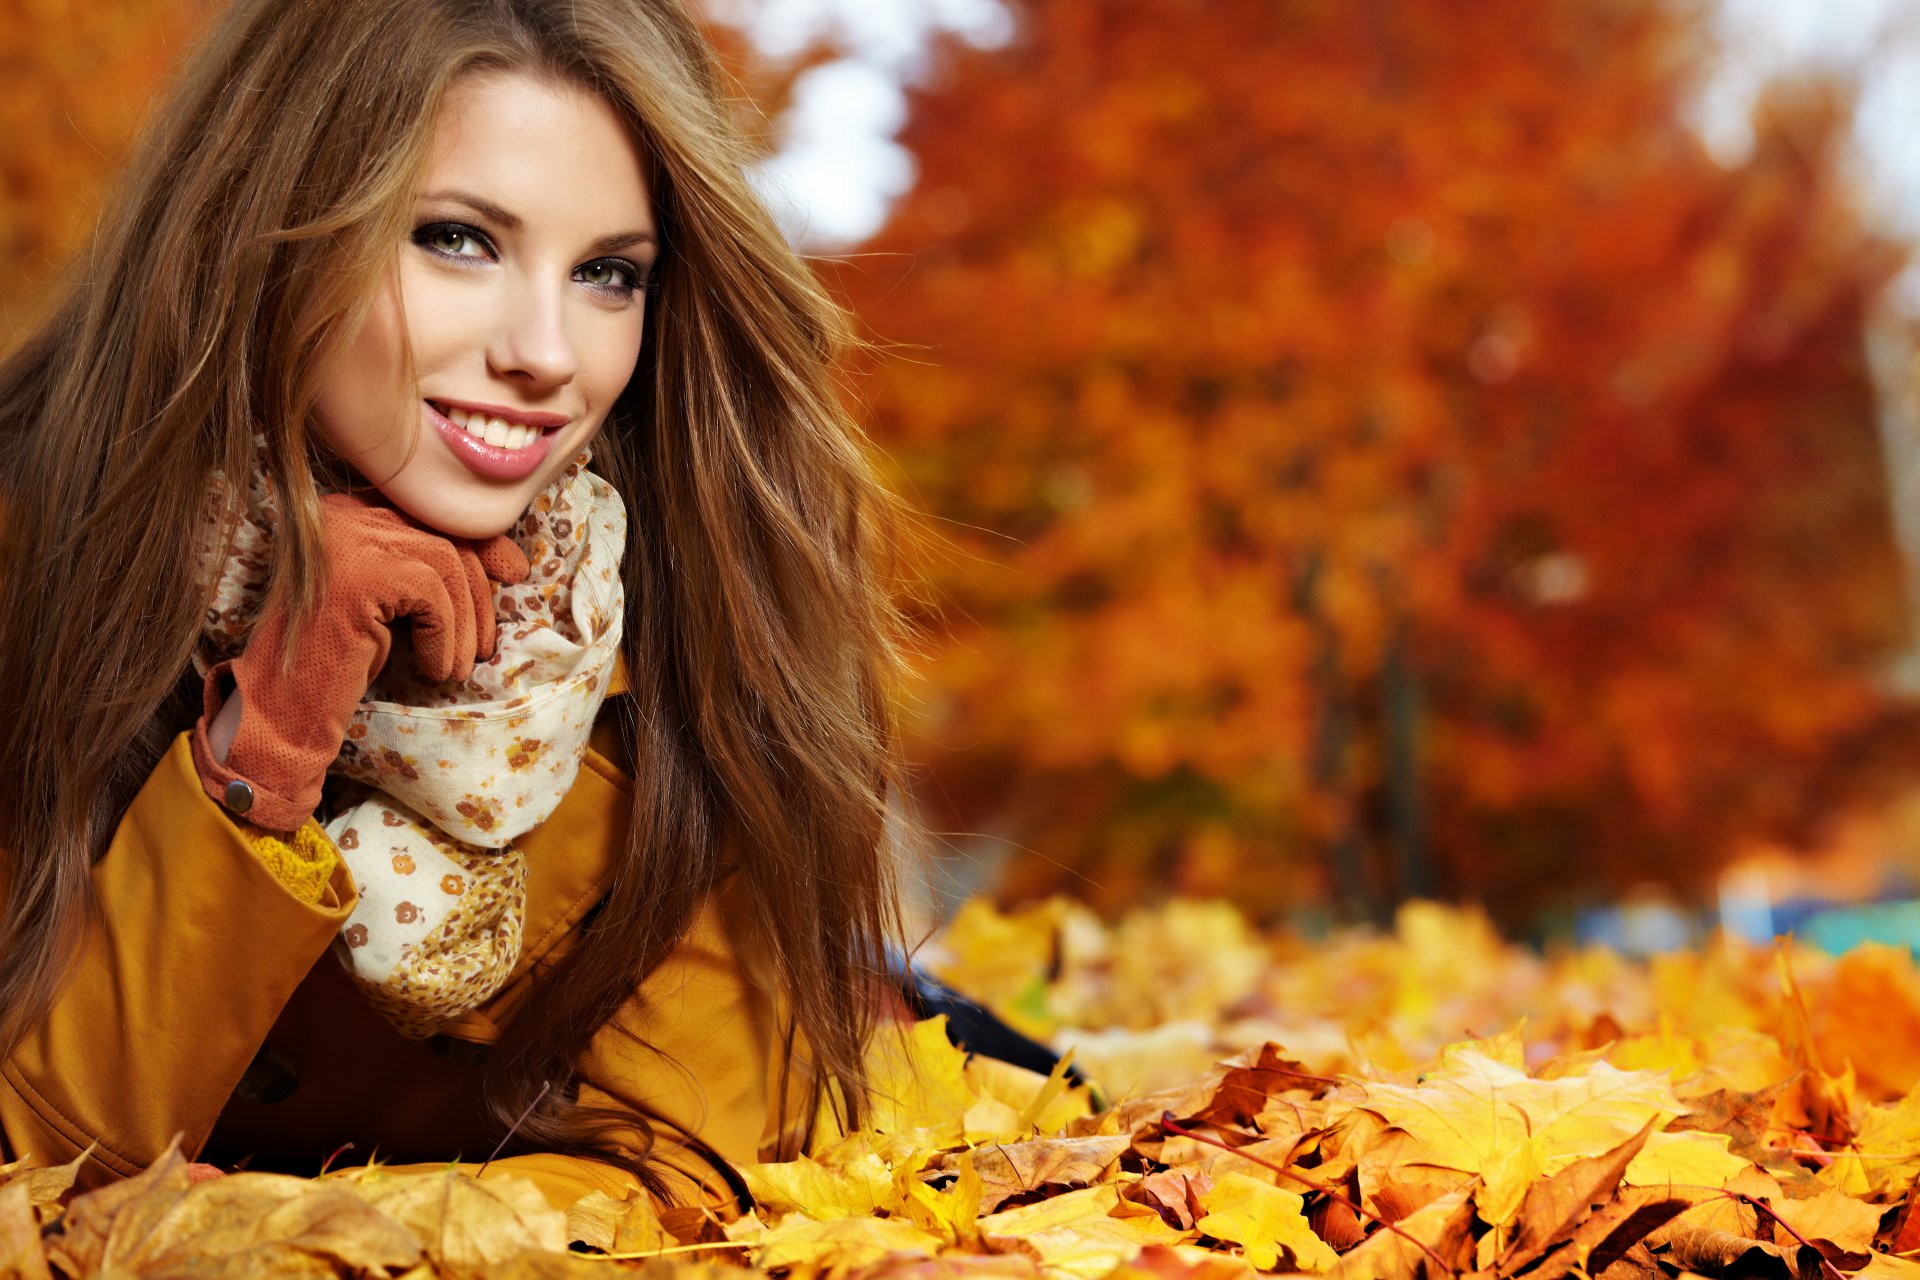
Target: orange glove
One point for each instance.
(380, 566)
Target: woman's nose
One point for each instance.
(531, 339)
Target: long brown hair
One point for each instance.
(247, 235)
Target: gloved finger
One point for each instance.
(465, 619)
(422, 595)
(503, 560)
(486, 629)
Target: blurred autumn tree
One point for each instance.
(78, 79)
(1380, 452)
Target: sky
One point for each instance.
(840, 169)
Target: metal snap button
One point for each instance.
(239, 796)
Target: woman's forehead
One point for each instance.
(541, 150)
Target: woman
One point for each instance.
(375, 285)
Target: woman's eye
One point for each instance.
(450, 239)
(614, 274)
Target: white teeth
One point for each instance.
(497, 432)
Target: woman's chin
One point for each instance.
(475, 521)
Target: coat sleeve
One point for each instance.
(192, 948)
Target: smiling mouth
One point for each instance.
(497, 432)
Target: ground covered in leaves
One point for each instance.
(1422, 1102)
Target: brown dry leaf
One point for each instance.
(1555, 1206)
(1742, 1117)
(1724, 1253)
(1443, 1227)
(1016, 1168)
(1249, 1082)
(159, 1224)
(462, 1221)
(616, 1225)
(45, 1185)
(1847, 1224)
(271, 1224)
(21, 1253)
(1174, 1194)
(1610, 1232)
(102, 1223)
(1334, 1220)
(1240, 1156)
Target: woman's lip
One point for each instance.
(486, 459)
(523, 417)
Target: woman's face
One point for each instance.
(523, 305)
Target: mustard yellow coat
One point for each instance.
(204, 1002)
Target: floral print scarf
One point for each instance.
(444, 776)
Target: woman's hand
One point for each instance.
(278, 730)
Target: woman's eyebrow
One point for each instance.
(511, 222)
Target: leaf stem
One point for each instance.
(1827, 1270)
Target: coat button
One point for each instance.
(239, 796)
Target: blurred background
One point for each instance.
(1365, 451)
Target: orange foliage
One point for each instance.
(1379, 451)
(79, 78)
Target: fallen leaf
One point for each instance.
(21, 1253)
(119, 1213)
(1685, 1159)
(616, 1225)
(1555, 1206)
(1017, 1168)
(1610, 1233)
(1847, 1224)
(861, 1185)
(462, 1221)
(1174, 1194)
(806, 1248)
(1722, 1252)
(1264, 1221)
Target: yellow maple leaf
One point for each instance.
(1469, 1114)
(949, 1213)
(1691, 1159)
(858, 1188)
(918, 1082)
(1263, 1220)
(1889, 1140)
(1505, 1179)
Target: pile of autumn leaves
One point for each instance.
(1422, 1102)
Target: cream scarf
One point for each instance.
(448, 774)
